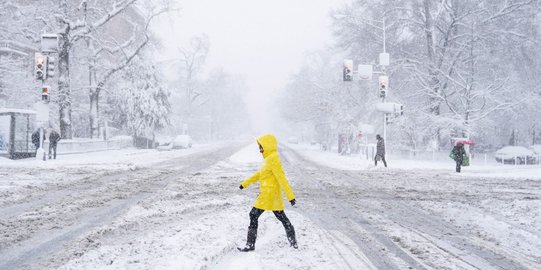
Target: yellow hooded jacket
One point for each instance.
(271, 176)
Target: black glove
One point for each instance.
(241, 187)
(293, 202)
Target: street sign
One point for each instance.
(384, 59)
(365, 72)
(49, 43)
(389, 107)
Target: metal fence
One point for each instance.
(478, 158)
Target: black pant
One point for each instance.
(280, 215)
(458, 164)
(382, 158)
(52, 147)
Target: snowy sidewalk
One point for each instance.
(355, 163)
(108, 159)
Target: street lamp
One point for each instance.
(384, 61)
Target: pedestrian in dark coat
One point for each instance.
(54, 138)
(458, 153)
(35, 138)
(380, 151)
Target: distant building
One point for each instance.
(13, 55)
(17, 56)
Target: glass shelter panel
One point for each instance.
(5, 122)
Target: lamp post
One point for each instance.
(384, 60)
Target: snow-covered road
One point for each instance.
(186, 212)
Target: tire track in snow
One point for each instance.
(40, 243)
(457, 244)
(460, 244)
(330, 213)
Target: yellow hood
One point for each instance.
(269, 144)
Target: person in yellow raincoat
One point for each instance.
(272, 181)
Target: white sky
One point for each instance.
(263, 40)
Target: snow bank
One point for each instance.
(247, 155)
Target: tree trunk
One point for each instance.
(64, 99)
(93, 112)
(94, 93)
(434, 83)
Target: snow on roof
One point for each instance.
(6, 110)
(515, 150)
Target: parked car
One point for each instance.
(515, 155)
(165, 143)
(293, 140)
(182, 142)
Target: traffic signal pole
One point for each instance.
(43, 70)
(365, 73)
(42, 108)
(383, 99)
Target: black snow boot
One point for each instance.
(247, 248)
(250, 243)
(292, 240)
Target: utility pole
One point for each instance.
(365, 72)
(384, 61)
(41, 107)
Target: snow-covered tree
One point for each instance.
(450, 58)
(98, 39)
(107, 56)
(142, 106)
(191, 60)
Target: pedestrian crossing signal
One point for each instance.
(45, 93)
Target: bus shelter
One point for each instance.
(16, 128)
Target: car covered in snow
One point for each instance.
(537, 149)
(293, 140)
(182, 142)
(515, 155)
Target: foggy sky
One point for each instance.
(263, 40)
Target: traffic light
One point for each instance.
(40, 66)
(348, 70)
(50, 66)
(45, 93)
(383, 86)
